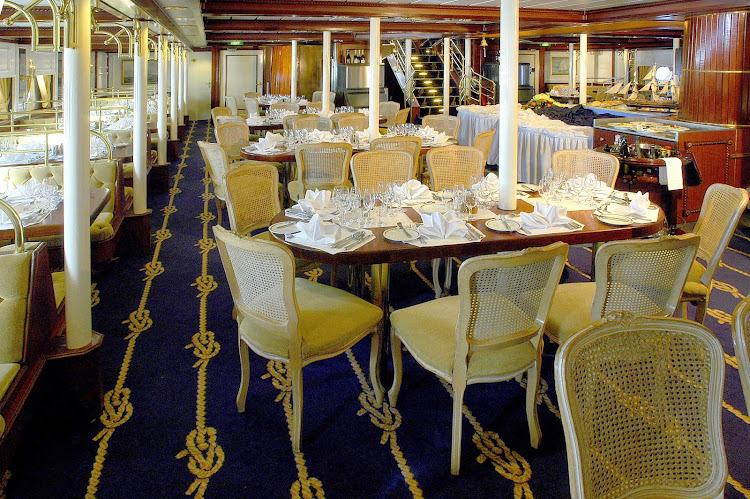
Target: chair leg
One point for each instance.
(436, 277)
(398, 368)
(594, 249)
(334, 268)
(244, 374)
(684, 309)
(448, 276)
(296, 406)
(219, 209)
(458, 404)
(532, 388)
(376, 343)
(700, 310)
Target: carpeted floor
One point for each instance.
(170, 366)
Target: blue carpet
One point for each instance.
(171, 372)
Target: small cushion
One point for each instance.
(58, 284)
(693, 286)
(570, 310)
(330, 320)
(7, 375)
(14, 292)
(429, 332)
(102, 227)
(127, 170)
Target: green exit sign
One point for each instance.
(236, 43)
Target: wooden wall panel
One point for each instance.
(277, 76)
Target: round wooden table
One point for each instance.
(264, 127)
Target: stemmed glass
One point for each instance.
(470, 199)
(446, 195)
(368, 203)
(340, 195)
(546, 186)
(589, 186)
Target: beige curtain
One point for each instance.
(45, 84)
(5, 86)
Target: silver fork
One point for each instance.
(347, 240)
(359, 236)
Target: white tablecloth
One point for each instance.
(538, 138)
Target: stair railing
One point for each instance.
(405, 80)
(473, 87)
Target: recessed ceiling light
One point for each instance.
(175, 7)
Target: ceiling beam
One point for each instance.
(215, 25)
(624, 26)
(312, 8)
(279, 37)
(673, 9)
(156, 12)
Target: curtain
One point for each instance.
(45, 85)
(5, 86)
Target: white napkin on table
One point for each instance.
(266, 144)
(315, 201)
(426, 132)
(490, 181)
(639, 204)
(320, 232)
(544, 216)
(414, 189)
(363, 138)
(442, 225)
(441, 139)
(600, 186)
(320, 136)
(252, 120)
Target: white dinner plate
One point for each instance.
(613, 219)
(289, 227)
(399, 235)
(433, 208)
(499, 226)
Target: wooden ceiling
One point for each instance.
(620, 23)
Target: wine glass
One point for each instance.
(470, 200)
(368, 203)
(545, 189)
(446, 195)
(589, 186)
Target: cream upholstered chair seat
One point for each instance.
(640, 401)
(741, 340)
(721, 210)
(491, 331)
(644, 277)
(294, 321)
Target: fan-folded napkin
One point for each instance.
(253, 120)
(442, 225)
(639, 204)
(413, 189)
(490, 182)
(317, 136)
(315, 201)
(544, 216)
(320, 232)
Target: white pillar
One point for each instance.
(571, 68)
(185, 82)
(409, 71)
(326, 72)
(583, 67)
(173, 117)
(626, 66)
(446, 76)
(467, 69)
(76, 177)
(161, 123)
(675, 47)
(508, 137)
(178, 88)
(140, 127)
(374, 78)
(294, 70)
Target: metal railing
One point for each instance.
(405, 79)
(46, 150)
(473, 87)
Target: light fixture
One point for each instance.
(175, 7)
(235, 42)
(545, 44)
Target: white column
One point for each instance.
(583, 67)
(173, 118)
(76, 177)
(374, 78)
(675, 47)
(446, 76)
(467, 68)
(179, 88)
(409, 71)
(326, 72)
(508, 137)
(571, 68)
(161, 123)
(626, 65)
(294, 70)
(140, 164)
(185, 82)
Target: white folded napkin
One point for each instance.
(544, 216)
(320, 232)
(490, 181)
(364, 110)
(599, 186)
(253, 120)
(413, 189)
(426, 132)
(671, 176)
(315, 201)
(441, 139)
(442, 225)
(264, 145)
(639, 204)
(363, 138)
(320, 136)
(272, 139)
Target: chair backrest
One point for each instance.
(412, 145)
(231, 104)
(14, 300)
(722, 208)
(388, 110)
(318, 95)
(261, 279)
(252, 95)
(442, 123)
(505, 297)
(313, 123)
(252, 196)
(605, 166)
(233, 136)
(741, 340)
(451, 165)
(643, 276)
(217, 163)
(219, 111)
(336, 118)
(483, 142)
(402, 116)
(324, 165)
(358, 121)
(640, 400)
(286, 106)
(251, 106)
(288, 121)
(372, 167)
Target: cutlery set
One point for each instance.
(350, 241)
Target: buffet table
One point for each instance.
(538, 138)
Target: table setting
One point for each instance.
(33, 201)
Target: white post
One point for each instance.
(185, 82)
(326, 72)
(583, 67)
(508, 137)
(374, 83)
(173, 117)
(161, 123)
(76, 177)
(675, 47)
(626, 65)
(446, 76)
(571, 68)
(409, 72)
(294, 70)
(467, 69)
(140, 164)
(178, 89)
